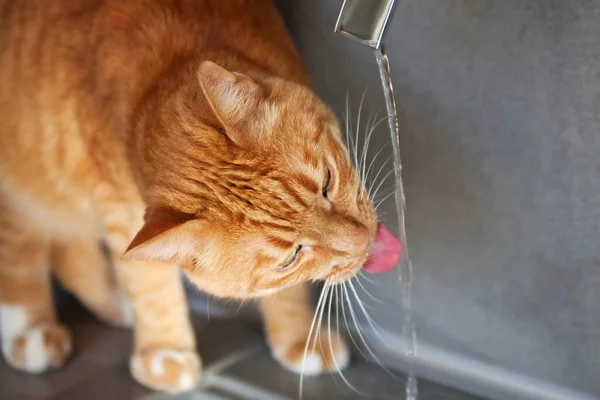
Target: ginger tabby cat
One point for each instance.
(173, 136)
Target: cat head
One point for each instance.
(256, 191)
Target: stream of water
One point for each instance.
(406, 273)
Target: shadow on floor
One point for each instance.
(237, 366)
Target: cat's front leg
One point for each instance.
(83, 269)
(288, 317)
(31, 337)
(165, 356)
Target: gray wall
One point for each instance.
(500, 119)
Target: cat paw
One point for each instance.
(330, 353)
(38, 349)
(168, 370)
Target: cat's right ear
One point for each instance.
(233, 97)
(168, 236)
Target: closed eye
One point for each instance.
(289, 263)
(327, 183)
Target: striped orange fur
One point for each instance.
(142, 138)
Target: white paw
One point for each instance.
(38, 349)
(329, 354)
(169, 370)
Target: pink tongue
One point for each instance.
(384, 253)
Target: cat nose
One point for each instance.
(356, 243)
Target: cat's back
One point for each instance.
(60, 105)
(71, 73)
(78, 61)
(39, 139)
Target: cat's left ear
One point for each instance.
(167, 235)
(234, 98)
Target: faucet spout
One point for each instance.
(365, 20)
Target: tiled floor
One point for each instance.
(237, 366)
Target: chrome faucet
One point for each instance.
(365, 20)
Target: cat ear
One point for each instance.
(167, 235)
(233, 97)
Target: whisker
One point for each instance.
(310, 333)
(348, 129)
(361, 156)
(380, 202)
(321, 320)
(348, 325)
(381, 216)
(339, 370)
(367, 175)
(376, 328)
(362, 275)
(360, 106)
(381, 183)
(366, 147)
(337, 311)
(360, 334)
(371, 281)
(378, 198)
(352, 144)
(346, 116)
(374, 180)
(242, 304)
(367, 292)
(361, 191)
(319, 328)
